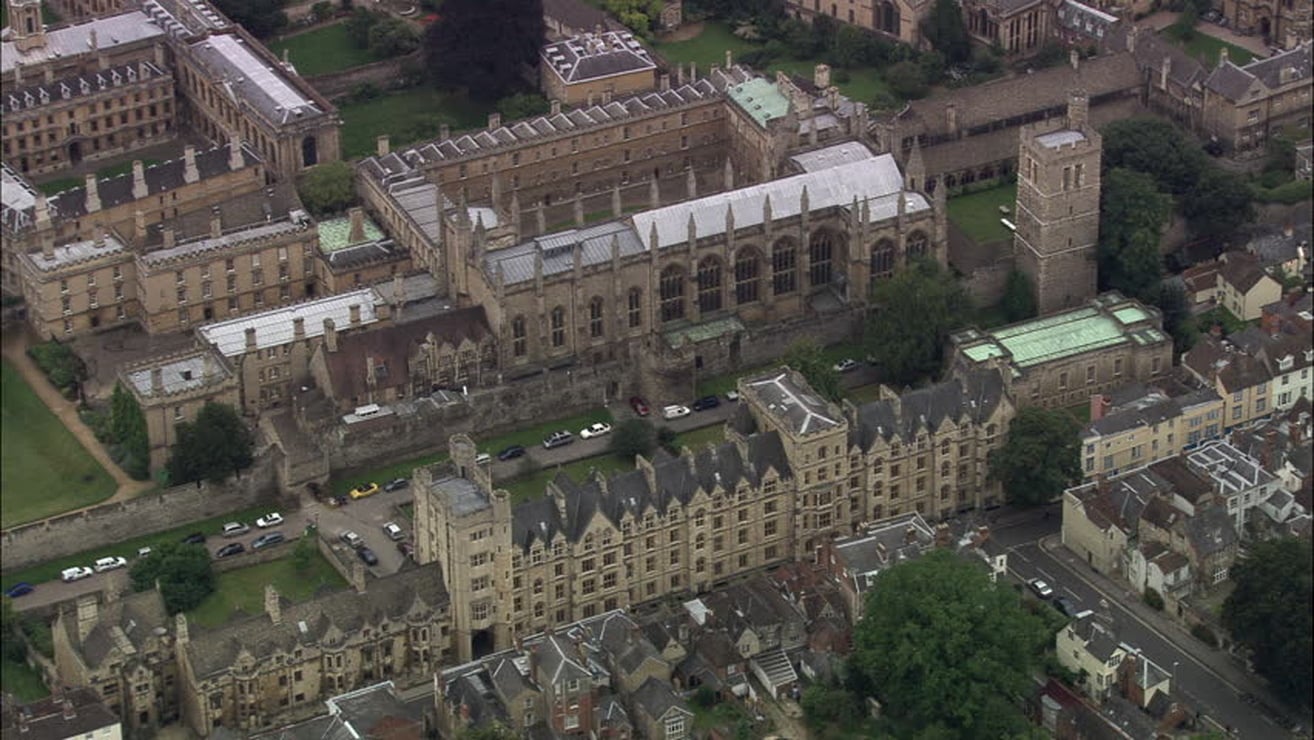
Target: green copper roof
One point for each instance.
(760, 99)
(1130, 315)
(1062, 335)
(333, 234)
(983, 352)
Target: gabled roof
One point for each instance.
(969, 399)
(657, 699)
(558, 661)
(1211, 531)
(1242, 271)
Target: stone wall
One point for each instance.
(254, 557)
(380, 74)
(109, 523)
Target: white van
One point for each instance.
(675, 411)
(369, 409)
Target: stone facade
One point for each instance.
(1246, 105)
(1140, 428)
(1283, 23)
(794, 471)
(595, 67)
(172, 389)
(900, 20)
(1018, 27)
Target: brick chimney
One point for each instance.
(190, 173)
(821, 76)
(353, 314)
(357, 233)
(382, 145)
(139, 190)
(167, 237)
(1099, 406)
(251, 339)
(92, 192)
(330, 336)
(1078, 110)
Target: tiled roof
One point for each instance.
(1241, 271)
(45, 719)
(1233, 82)
(1211, 531)
(656, 699)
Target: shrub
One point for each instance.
(1205, 635)
(1287, 193)
(1153, 599)
(906, 80)
(62, 367)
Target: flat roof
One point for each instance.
(335, 232)
(760, 99)
(463, 496)
(75, 252)
(1056, 139)
(1130, 314)
(798, 406)
(185, 373)
(1063, 335)
(275, 327)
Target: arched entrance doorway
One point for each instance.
(309, 152)
(75, 152)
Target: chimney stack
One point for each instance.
(556, 108)
(157, 381)
(235, 159)
(382, 145)
(190, 173)
(250, 339)
(951, 119)
(88, 611)
(92, 192)
(273, 605)
(353, 311)
(216, 223)
(166, 233)
(298, 328)
(494, 121)
(330, 336)
(357, 233)
(1222, 56)
(821, 76)
(138, 180)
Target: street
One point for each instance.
(1210, 680)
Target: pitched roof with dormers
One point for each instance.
(970, 399)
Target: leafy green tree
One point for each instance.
(491, 731)
(12, 646)
(212, 448)
(393, 37)
(666, 437)
(1218, 204)
(328, 188)
(1040, 458)
(1269, 612)
(1156, 148)
(851, 47)
(128, 429)
(1132, 215)
(185, 574)
(1019, 301)
(358, 26)
(806, 357)
(633, 437)
(482, 46)
(263, 18)
(912, 315)
(638, 15)
(1178, 320)
(942, 646)
(823, 704)
(522, 105)
(907, 80)
(946, 31)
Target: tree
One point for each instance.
(328, 188)
(637, 15)
(1132, 215)
(1218, 204)
(358, 26)
(128, 430)
(1178, 320)
(941, 645)
(912, 315)
(263, 18)
(805, 357)
(522, 105)
(1040, 458)
(393, 37)
(907, 80)
(1019, 301)
(823, 704)
(12, 645)
(184, 572)
(633, 437)
(946, 31)
(482, 46)
(1269, 613)
(1156, 148)
(212, 448)
(490, 731)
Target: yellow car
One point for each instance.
(369, 489)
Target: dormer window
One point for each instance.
(1286, 362)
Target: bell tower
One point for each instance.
(28, 32)
(1058, 208)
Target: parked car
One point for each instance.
(76, 573)
(732, 396)
(232, 548)
(143, 552)
(594, 430)
(367, 556)
(639, 405)
(110, 563)
(235, 529)
(1064, 605)
(396, 484)
(341, 500)
(393, 531)
(845, 365)
(369, 489)
(352, 539)
(675, 411)
(19, 589)
(706, 402)
(272, 519)
(511, 453)
(1040, 588)
(406, 549)
(483, 458)
(268, 539)
(195, 538)
(558, 439)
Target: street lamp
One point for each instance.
(1175, 686)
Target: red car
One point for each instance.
(639, 405)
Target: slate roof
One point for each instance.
(1121, 501)
(74, 40)
(15, 100)
(342, 612)
(1233, 82)
(1154, 55)
(46, 720)
(1099, 641)
(676, 478)
(1241, 271)
(971, 398)
(277, 202)
(389, 350)
(1211, 531)
(17, 200)
(1290, 343)
(244, 75)
(656, 698)
(125, 623)
(593, 56)
(882, 546)
(1210, 359)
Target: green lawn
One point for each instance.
(978, 214)
(525, 488)
(864, 394)
(22, 681)
(384, 474)
(700, 438)
(242, 591)
(54, 187)
(44, 470)
(1080, 412)
(406, 116)
(1219, 315)
(322, 50)
(1206, 48)
(719, 385)
(49, 571)
(709, 47)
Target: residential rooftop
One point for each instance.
(178, 373)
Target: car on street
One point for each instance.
(706, 402)
(483, 458)
(272, 519)
(845, 365)
(143, 552)
(1064, 606)
(195, 538)
(1040, 588)
(268, 539)
(559, 438)
(639, 405)
(19, 589)
(511, 453)
(110, 563)
(362, 491)
(76, 573)
(367, 556)
(675, 411)
(732, 396)
(594, 430)
(353, 540)
(396, 484)
(235, 529)
(393, 531)
(232, 548)
(406, 549)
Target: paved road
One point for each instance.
(1211, 680)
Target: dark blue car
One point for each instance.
(19, 589)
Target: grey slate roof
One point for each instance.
(244, 76)
(1211, 531)
(593, 56)
(656, 697)
(34, 96)
(971, 398)
(1099, 641)
(132, 619)
(46, 720)
(1234, 82)
(75, 39)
